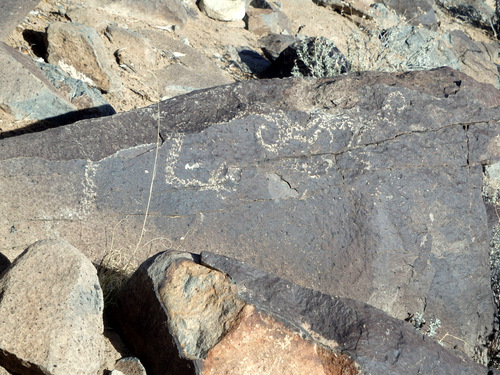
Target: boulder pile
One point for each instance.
(343, 218)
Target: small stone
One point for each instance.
(224, 10)
(129, 366)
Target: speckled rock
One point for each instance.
(51, 306)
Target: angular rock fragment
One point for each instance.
(347, 328)
(273, 44)
(51, 312)
(88, 101)
(227, 318)
(223, 10)
(415, 12)
(133, 51)
(79, 51)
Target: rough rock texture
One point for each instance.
(261, 344)
(281, 328)
(12, 13)
(223, 10)
(133, 49)
(311, 57)
(26, 92)
(190, 70)
(79, 51)
(367, 186)
(273, 44)
(51, 301)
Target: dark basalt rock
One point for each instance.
(365, 186)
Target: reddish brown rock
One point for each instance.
(262, 345)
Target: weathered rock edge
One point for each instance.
(95, 139)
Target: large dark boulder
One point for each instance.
(365, 186)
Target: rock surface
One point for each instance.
(51, 301)
(366, 186)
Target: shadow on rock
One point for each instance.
(60, 120)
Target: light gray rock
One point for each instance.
(415, 12)
(51, 307)
(26, 93)
(224, 10)
(79, 51)
(406, 47)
